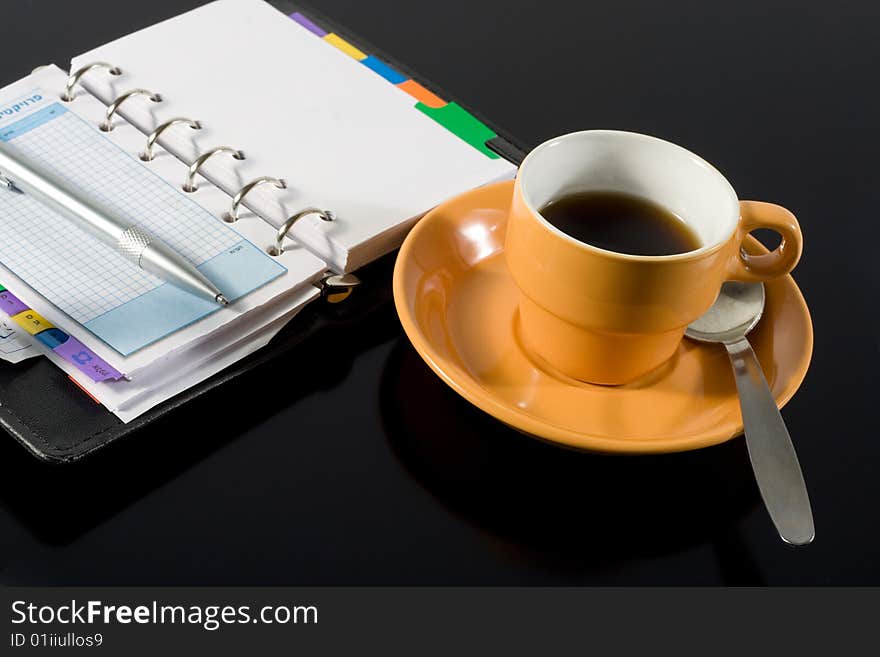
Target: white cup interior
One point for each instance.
(635, 164)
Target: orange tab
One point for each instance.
(422, 94)
(32, 321)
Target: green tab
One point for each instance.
(463, 124)
(2, 289)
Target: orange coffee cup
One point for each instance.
(607, 317)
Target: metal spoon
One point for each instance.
(777, 471)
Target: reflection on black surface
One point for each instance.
(562, 508)
(58, 503)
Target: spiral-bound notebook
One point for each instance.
(86, 279)
(269, 165)
(303, 107)
(151, 338)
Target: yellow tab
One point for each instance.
(32, 321)
(336, 40)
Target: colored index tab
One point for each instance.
(383, 69)
(421, 94)
(52, 337)
(463, 124)
(335, 40)
(10, 304)
(86, 361)
(32, 321)
(308, 24)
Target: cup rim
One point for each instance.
(687, 255)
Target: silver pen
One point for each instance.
(128, 239)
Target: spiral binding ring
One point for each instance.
(232, 215)
(189, 184)
(147, 155)
(277, 249)
(72, 81)
(107, 125)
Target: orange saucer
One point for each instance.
(458, 305)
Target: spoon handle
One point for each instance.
(774, 460)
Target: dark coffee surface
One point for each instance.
(621, 222)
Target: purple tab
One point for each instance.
(86, 361)
(10, 304)
(309, 25)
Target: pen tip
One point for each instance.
(221, 300)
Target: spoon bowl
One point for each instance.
(736, 311)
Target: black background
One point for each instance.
(353, 464)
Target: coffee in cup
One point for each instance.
(620, 222)
(606, 305)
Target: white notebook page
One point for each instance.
(344, 137)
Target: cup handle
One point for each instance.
(755, 268)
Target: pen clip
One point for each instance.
(9, 184)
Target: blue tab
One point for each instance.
(52, 337)
(380, 67)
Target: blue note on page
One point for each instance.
(118, 302)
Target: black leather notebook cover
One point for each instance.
(56, 421)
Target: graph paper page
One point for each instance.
(121, 304)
